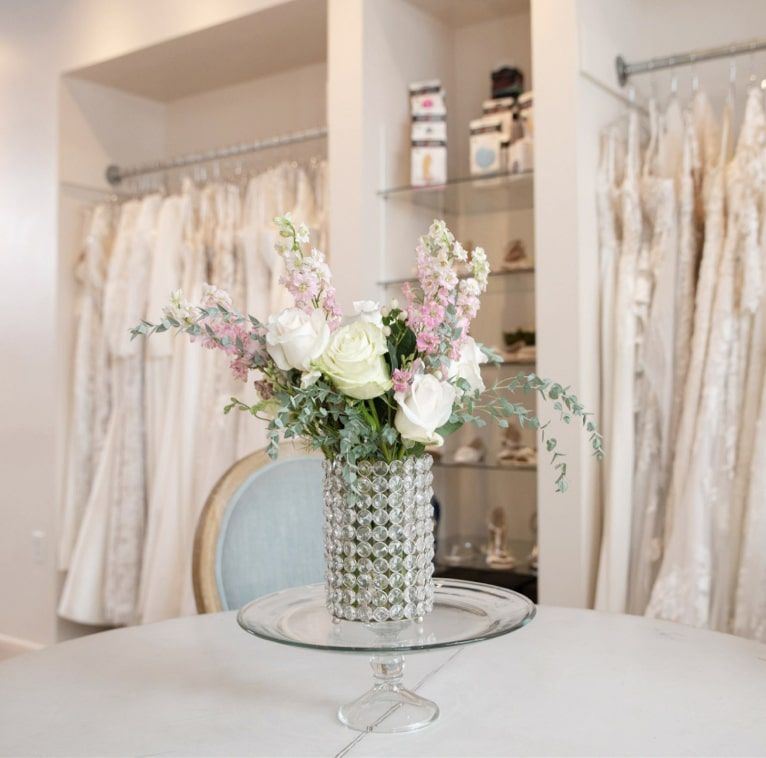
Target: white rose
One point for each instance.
(368, 310)
(295, 339)
(426, 407)
(468, 365)
(354, 362)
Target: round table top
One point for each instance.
(572, 682)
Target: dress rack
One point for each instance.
(116, 174)
(625, 70)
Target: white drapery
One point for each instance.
(148, 436)
(690, 506)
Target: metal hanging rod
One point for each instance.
(625, 70)
(115, 174)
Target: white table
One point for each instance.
(571, 683)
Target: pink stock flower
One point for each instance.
(307, 277)
(402, 379)
(441, 312)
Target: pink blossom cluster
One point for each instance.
(307, 277)
(401, 378)
(440, 313)
(230, 332)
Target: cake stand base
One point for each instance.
(388, 707)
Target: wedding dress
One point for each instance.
(607, 199)
(612, 579)
(216, 445)
(746, 378)
(172, 511)
(128, 485)
(699, 529)
(164, 278)
(90, 381)
(83, 595)
(251, 433)
(658, 351)
(677, 552)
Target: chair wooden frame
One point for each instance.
(204, 574)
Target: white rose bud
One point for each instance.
(354, 362)
(426, 407)
(295, 339)
(468, 365)
(368, 310)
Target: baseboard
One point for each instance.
(10, 646)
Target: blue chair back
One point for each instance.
(270, 529)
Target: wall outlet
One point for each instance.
(38, 546)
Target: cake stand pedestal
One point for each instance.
(464, 613)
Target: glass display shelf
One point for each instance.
(470, 553)
(482, 466)
(463, 613)
(493, 276)
(511, 362)
(470, 195)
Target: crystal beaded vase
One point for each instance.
(379, 543)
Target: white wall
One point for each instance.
(38, 42)
(287, 101)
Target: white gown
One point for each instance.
(608, 200)
(164, 278)
(745, 377)
(127, 519)
(83, 595)
(612, 578)
(700, 527)
(171, 519)
(251, 433)
(90, 381)
(654, 399)
(215, 446)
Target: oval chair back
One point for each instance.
(261, 530)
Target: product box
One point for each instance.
(486, 145)
(503, 108)
(429, 128)
(427, 98)
(428, 163)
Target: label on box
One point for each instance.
(429, 128)
(427, 99)
(428, 163)
(487, 138)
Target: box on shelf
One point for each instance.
(428, 136)
(487, 145)
(504, 109)
(507, 81)
(427, 99)
(428, 163)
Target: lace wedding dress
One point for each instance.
(611, 588)
(701, 525)
(170, 529)
(90, 381)
(84, 592)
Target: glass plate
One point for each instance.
(464, 612)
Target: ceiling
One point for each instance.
(465, 12)
(245, 48)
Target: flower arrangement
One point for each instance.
(383, 385)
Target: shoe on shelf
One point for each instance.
(520, 456)
(473, 452)
(516, 257)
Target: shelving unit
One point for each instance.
(491, 211)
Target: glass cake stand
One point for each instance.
(464, 612)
